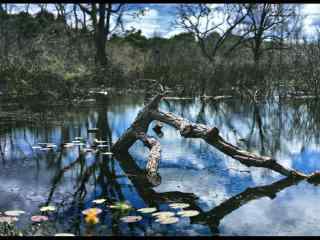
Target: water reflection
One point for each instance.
(220, 188)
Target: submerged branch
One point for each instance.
(154, 155)
(191, 130)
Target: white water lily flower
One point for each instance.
(188, 213)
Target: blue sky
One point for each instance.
(159, 18)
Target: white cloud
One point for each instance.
(312, 18)
(149, 23)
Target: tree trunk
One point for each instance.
(101, 58)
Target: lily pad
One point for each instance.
(7, 219)
(102, 145)
(147, 210)
(121, 206)
(99, 201)
(163, 214)
(169, 220)
(64, 235)
(179, 205)
(67, 145)
(39, 218)
(95, 211)
(48, 209)
(188, 213)
(131, 219)
(36, 147)
(80, 144)
(14, 213)
(51, 145)
(107, 153)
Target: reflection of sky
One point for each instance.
(187, 165)
(293, 212)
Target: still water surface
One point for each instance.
(190, 170)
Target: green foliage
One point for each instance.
(47, 58)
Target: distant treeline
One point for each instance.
(42, 55)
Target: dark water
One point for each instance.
(190, 171)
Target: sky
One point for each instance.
(159, 18)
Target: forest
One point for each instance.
(110, 128)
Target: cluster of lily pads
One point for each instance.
(45, 146)
(162, 217)
(99, 145)
(91, 215)
(12, 216)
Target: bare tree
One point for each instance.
(267, 22)
(61, 9)
(212, 26)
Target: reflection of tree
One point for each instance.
(213, 217)
(144, 188)
(103, 171)
(256, 122)
(144, 185)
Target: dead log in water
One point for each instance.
(188, 129)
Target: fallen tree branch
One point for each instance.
(191, 130)
(140, 125)
(154, 155)
(212, 137)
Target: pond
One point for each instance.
(231, 199)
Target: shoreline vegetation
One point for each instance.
(21, 109)
(44, 56)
